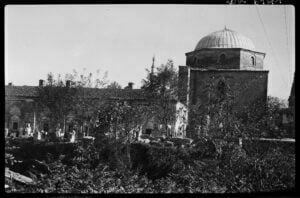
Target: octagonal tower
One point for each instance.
(225, 49)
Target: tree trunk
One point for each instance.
(128, 155)
(64, 127)
(18, 177)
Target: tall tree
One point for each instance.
(57, 98)
(62, 99)
(218, 114)
(162, 87)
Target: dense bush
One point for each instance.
(30, 149)
(149, 169)
(157, 162)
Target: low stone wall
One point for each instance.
(30, 149)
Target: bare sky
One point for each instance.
(122, 39)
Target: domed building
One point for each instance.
(225, 49)
(223, 63)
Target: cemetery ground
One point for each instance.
(108, 165)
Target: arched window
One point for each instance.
(253, 61)
(222, 58)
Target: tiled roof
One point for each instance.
(21, 91)
(32, 91)
(115, 93)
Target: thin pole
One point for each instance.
(34, 117)
(64, 129)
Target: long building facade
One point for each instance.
(21, 107)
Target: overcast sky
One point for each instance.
(122, 39)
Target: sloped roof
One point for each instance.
(32, 91)
(21, 91)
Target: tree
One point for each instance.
(63, 100)
(85, 107)
(162, 87)
(119, 124)
(217, 114)
(267, 123)
(114, 85)
(57, 98)
(214, 115)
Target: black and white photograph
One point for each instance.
(149, 98)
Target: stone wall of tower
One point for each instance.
(246, 60)
(235, 58)
(247, 86)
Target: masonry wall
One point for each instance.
(247, 86)
(210, 58)
(246, 60)
(18, 112)
(235, 58)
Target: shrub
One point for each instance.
(157, 162)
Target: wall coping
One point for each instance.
(222, 70)
(235, 49)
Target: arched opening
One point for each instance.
(222, 59)
(253, 61)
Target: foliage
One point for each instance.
(217, 115)
(119, 118)
(84, 109)
(115, 163)
(162, 170)
(163, 82)
(267, 123)
(114, 85)
(162, 87)
(58, 101)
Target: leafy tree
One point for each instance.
(266, 124)
(114, 85)
(57, 98)
(62, 100)
(214, 116)
(217, 115)
(162, 87)
(120, 121)
(85, 107)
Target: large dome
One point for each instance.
(225, 39)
